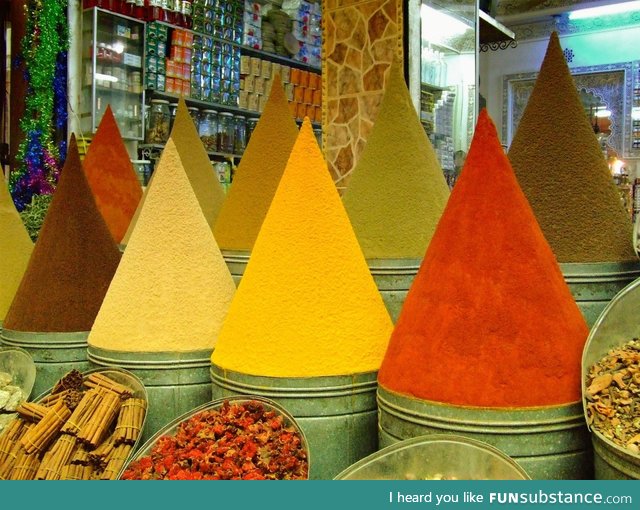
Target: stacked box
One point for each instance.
(220, 18)
(215, 71)
(303, 88)
(156, 42)
(307, 30)
(178, 65)
(252, 22)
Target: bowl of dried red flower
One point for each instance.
(436, 457)
(243, 438)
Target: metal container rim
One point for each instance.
(36, 339)
(151, 360)
(431, 439)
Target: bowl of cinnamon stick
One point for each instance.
(85, 428)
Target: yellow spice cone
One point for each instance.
(258, 174)
(197, 164)
(307, 305)
(15, 249)
(172, 288)
(397, 191)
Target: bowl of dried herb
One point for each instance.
(238, 438)
(611, 387)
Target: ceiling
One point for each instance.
(537, 18)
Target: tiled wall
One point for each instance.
(361, 38)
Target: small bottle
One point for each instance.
(187, 13)
(155, 12)
(129, 8)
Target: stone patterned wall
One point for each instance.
(361, 38)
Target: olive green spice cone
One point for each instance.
(397, 191)
(561, 169)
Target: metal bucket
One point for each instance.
(548, 442)
(615, 327)
(175, 381)
(54, 354)
(338, 414)
(393, 278)
(436, 456)
(236, 262)
(593, 285)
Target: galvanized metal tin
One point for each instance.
(548, 442)
(236, 262)
(449, 456)
(593, 285)
(393, 278)
(617, 325)
(54, 354)
(170, 428)
(175, 381)
(338, 414)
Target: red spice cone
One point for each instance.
(110, 174)
(72, 263)
(489, 320)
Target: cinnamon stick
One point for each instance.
(97, 379)
(31, 411)
(116, 461)
(37, 439)
(95, 428)
(82, 413)
(26, 466)
(56, 457)
(130, 420)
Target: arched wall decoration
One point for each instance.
(612, 82)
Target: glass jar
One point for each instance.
(159, 122)
(240, 131)
(251, 125)
(208, 130)
(173, 108)
(195, 116)
(226, 132)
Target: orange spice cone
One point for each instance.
(489, 320)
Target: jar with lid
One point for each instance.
(158, 122)
(251, 125)
(208, 130)
(240, 131)
(195, 115)
(173, 108)
(226, 132)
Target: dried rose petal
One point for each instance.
(237, 441)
